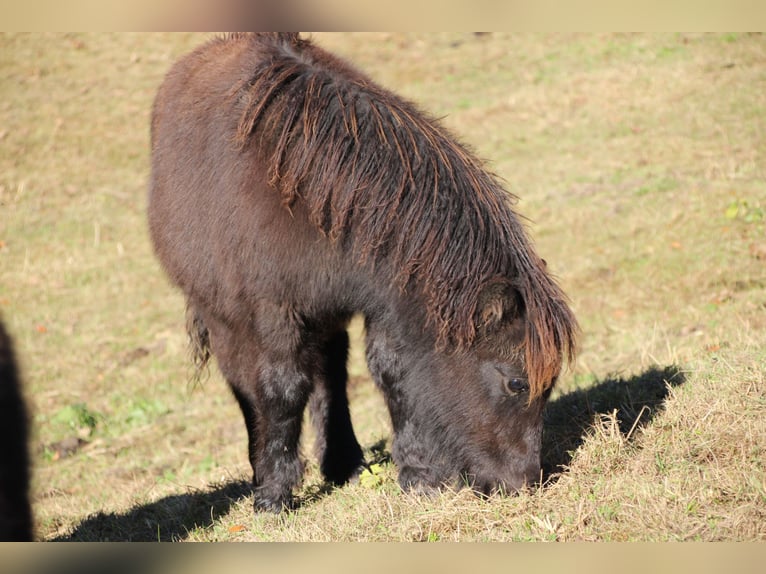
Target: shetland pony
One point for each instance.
(289, 192)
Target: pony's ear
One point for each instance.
(497, 301)
(491, 312)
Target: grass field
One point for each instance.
(641, 163)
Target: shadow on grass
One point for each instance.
(567, 419)
(637, 400)
(168, 519)
(173, 517)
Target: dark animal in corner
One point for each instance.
(15, 510)
(289, 192)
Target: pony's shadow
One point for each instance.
(636, 401)
(567, 420)
(165, 520)
(172, 518)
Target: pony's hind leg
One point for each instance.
(272, 392)
(340, 456)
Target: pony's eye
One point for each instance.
(516, 386)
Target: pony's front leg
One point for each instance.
(417, 456)
(272, 391)
(282, 392)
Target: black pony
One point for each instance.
(15, 510)
(289, 192)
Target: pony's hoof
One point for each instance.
(273, 505)
(346, 473)
(418, 481)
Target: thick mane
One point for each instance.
(390, 184)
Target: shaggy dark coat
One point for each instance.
(289, 192)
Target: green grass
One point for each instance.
(639, 160)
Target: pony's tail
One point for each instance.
(199, 341)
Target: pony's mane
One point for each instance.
(379, 176)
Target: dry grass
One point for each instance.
(640, 162)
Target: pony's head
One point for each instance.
(474, 412)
